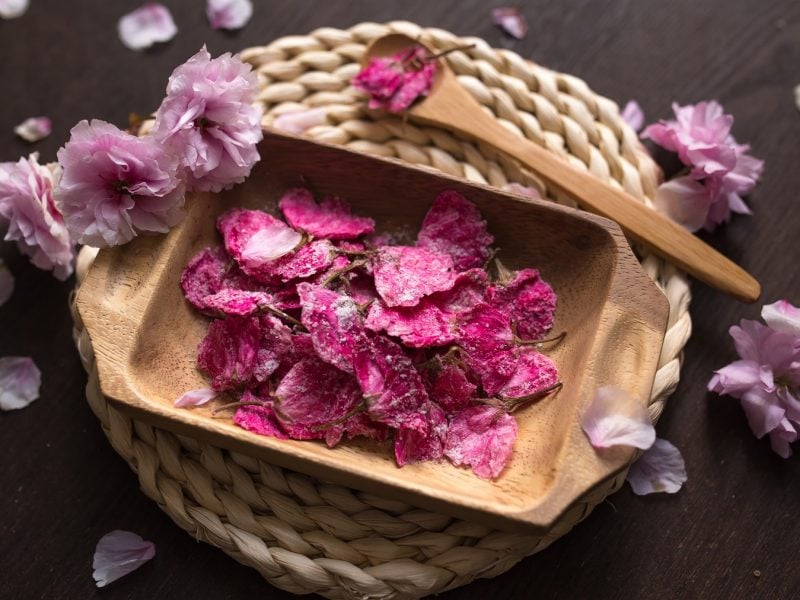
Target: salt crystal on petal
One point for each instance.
(615, 418)
(659, 469)
(11, 9)
(534, 373)
(529, 300)
(258, 419)
(148, 24)
(119, 553)
(228, 353)
(484, 334)
(228, 14)
(196, 397)
(405, 274)
(483, 438)
(6, 283)
(454, 226)
(34, 129)
(411, 445)
(330, 219)
(309, 260)
(210, 271)
(20, 379)
(451, 389)
(419, 326)
(237, 302)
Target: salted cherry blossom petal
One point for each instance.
(511, 20)
(11, 9)
(483, 438)
(633, 115)
(229, 14)
(299, 121)
(528, 299)
(330, 219)
(119, 553)
(782, 316)
(19, 382)
(659, 469)
(34, 129)
(267, 244)
(6, 283)
(196, 397)
(394, 83)
(146, 25)
(615, 418)
(405, 274)
(229, 352)
(411, 445)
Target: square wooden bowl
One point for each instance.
(145, 335)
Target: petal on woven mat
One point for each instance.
(119, 553)
(615, 418)
(659, 469)
(483, 438)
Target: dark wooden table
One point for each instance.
(732, 532)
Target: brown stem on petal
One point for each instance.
(432, 362)
(282, 315)
(553, 340)
(493, 252)
(504, 274)
(339, 272)
(512, 404)
(363, 308)
(219, 409)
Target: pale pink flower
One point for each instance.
(19, 382)
(229, 14)
(6, 283)
(208, 119)
(767, 378)
(615, 418)
(685, 201)
(633, 115)
(115, 185)
(299, 121)
(659, 469)
(34, 129)
(34, 220)
(511, 20)
(11, 9)
(195, 398)
(148, 24)
(119, 553)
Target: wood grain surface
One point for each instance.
(732, 532)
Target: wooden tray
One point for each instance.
(145, 335)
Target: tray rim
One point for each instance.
(127, 398)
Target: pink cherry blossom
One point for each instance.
(6, 283)
(659, 469)
(511, 20)
(11, 9)
(148, 24)
(34, 129)
(20, 379)
(115, 185)
(685, 201)
(633, 115)
(615, 418)
(394, 83)
(229, 14)
(209, 118)
(119, 553)
(766, 379)
(197, 397)
(34, 220)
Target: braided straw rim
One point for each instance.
(309, 536)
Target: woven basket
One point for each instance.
(308, 536)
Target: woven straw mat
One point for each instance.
(308, 536)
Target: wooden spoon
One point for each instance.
(449, 105)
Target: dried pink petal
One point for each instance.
(237, 302)
(19, 382)
(148, 24)
(451, 389)
(511, 20)
(419, 326)
(633, 115)
(615, 418)
(483, 438)
(334, 322)
(659, 469)
(259, 419)
(394, 83)
(488, 348)
(362, 288)
(411, 445)
(782, 316)
(6, 283)
(534, 373)
(228, 14)
(529, 300)
(211, 271)
(330, 219)
(196, 397)
(405, 274)
(11, 9)
(229, 351)
(454, 226)
(119, 553)
(254, 238)
(300, 121)
(391, 385)
(34, 129)
(307, 261)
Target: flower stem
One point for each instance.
(219, 409)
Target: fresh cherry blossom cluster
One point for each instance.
(719, 170)
(329, 331)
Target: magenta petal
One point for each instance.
(483, 438)
(659, 469)
(411, 445)
(528, 300)
(420, 326)
(330, 219)
(229, 351)
(534, 373)
(19, 382)
(615, 418)
(228, 14)
(394, 83)
(253, 237)
(6, 283)
(405, 274)
(485, 337)
(34, 129)
(454, 226)
(258, 419)
(451, 389)
(195, 398)
(119, 553)
(782, 316)
(148, 24)
(237, 302)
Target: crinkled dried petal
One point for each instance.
(659, 469)
(411, 445)
(483, 438)
(20, 379)
(615, 418)
(211, 271)
(485, 337)
(254, 238)
(330, 219)
(451, 389)
(237, 302)
(394, 83)
(148, 24)
(259, 419)
(229, 351)
(119, 553)
(228, 14)
(454, 226)
(34, 129)
(419, 326)
(405, 274)
(197, 397)
(534, 373)
(309, 260)
(529, 300)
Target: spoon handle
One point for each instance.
(648, 227)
